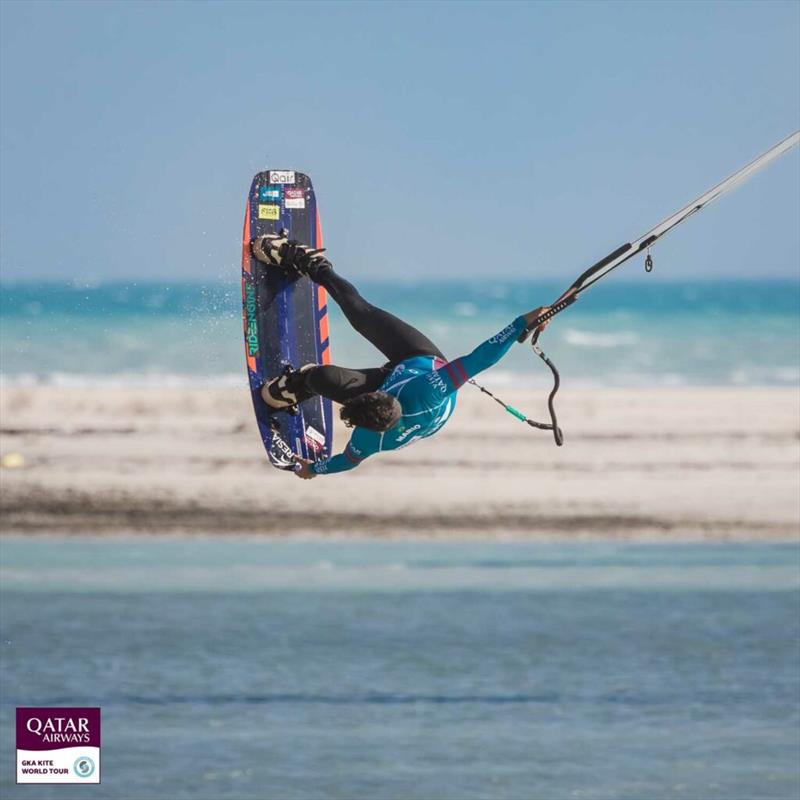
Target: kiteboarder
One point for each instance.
(388, 407)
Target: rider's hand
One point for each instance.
(532, 316)
(304, 468)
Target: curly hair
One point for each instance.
(376, 411)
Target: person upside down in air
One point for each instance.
(388, 407)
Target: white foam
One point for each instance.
(465, 309)
(604, 340)
(789, 374)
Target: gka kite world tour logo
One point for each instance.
(58, 745)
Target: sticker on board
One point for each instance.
(269, 212)
(281, 176)
(265, 193)
(295, 198)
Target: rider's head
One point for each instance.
(376, 411)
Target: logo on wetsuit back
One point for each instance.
(406, 433)
(504, 334)
(251, 331)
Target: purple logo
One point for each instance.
(58, 745)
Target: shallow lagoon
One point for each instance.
(248, 668)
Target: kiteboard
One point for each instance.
(285, 317)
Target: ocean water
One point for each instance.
(243, 668)
(620, 333)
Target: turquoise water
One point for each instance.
(236, 668)
(622, 332)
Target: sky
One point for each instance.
(444, 139)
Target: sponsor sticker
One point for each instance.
(313, 433)
(58, 745)
(280, 452)
(436, 380)
(281, 176)
(501, 337)
(267, 193)
(251, 329)
(407, 432)
(314, 447)
(269, 212)
(295, 198)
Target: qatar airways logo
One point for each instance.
(503, 336)
(60, 730)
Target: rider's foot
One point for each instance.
(306, 260)
(271, 248)
(276, 250)
(288, 389)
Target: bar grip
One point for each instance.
(554, 309)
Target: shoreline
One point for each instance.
(659, 465)
(86, 514)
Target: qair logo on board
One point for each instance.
(251, 334)
(269, 212)
(281, 176)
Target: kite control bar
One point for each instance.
(620, 256)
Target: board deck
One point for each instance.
(285, 317)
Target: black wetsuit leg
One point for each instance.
(396, 339)
(341, 384)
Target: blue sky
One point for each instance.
(444, 139)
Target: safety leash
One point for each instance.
(515, 412)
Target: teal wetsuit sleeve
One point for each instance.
(457, 372)
(362, 444)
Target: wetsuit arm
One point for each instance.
(358, 448)
(457, 372)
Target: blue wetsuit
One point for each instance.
(425, 387)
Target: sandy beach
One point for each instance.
(678, 464)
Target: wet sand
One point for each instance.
(688, 464)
